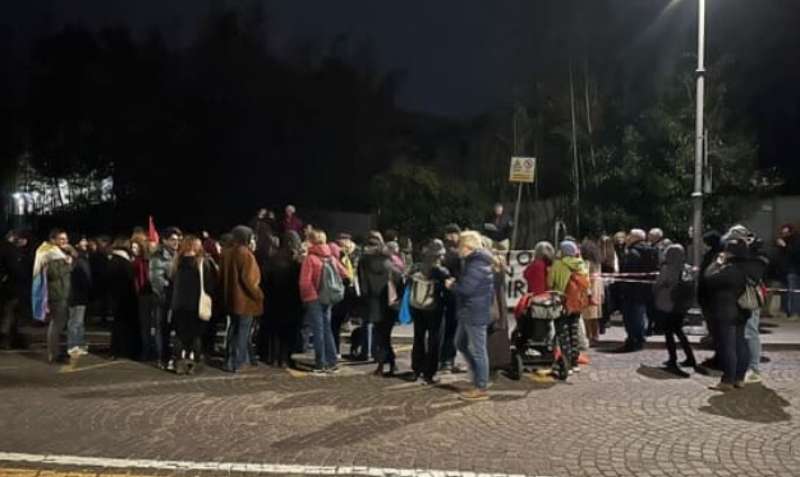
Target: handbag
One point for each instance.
(205, 308)
(751, 299)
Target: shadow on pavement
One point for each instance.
(658, 373)
(753, 403)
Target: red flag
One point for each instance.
(152, 233)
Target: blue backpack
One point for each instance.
(331, 286)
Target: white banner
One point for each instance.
(516, 286)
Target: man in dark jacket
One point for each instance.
(637, 260)
(80, 290)
(499, 226)
(160, 266)
(11, 277)
(452, 262)
(474, 291)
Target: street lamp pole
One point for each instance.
(697, 195)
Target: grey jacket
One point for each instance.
(160, 266)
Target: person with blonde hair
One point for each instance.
(474, 291)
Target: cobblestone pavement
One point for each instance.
(620, 416)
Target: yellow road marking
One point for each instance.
(73, 367)
(18, 472)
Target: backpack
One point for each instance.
(577, 293)
(423, 293)
(331, 285)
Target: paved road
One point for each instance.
(618, 417)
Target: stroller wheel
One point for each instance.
(517, 366)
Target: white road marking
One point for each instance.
(278, 469)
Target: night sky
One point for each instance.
(461, 57)
(465, 57)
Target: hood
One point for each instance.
(576, 264)
(675, 255)
(321, 250)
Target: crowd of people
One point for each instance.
(278, 286)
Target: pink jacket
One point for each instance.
(311, 272)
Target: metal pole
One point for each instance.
(516, 217)
(697, 196)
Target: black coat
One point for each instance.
(81, 284)
(12, 277)
(282, 303)
(639, 258)
(125, 334)
(186, 284)
(725, 282)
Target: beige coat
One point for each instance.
(597, 291)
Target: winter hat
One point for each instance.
(242, 234)
(568, 249)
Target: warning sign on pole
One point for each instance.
(523, 169)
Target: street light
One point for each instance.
(697, 195)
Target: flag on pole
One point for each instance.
(152, 233)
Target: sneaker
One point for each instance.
(576, 369)
(74, 351)
(171, 365)
(583, 359)
(474, 395)
(333, 370)
(753, 377)
(83, 350)
(319, 371)
(739, 384)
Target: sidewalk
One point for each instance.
(776, 333)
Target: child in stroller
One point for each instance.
(541, 339)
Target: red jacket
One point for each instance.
(536, 276)
(311, 271)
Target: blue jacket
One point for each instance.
(474, 289)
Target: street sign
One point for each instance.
(523, 169)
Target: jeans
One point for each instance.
(633, 316)
(793, 299)
(238, 352)
(753, 337)
(471, 341)
(427, 338)
(318, 317)
(58, 317)
(733, 351)
(76, 331)
(162, 331)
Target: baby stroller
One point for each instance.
(534, 345)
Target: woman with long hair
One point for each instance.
(283, 309)
(190, 271)
(594, 313)
(609, 263)
(126, 341)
